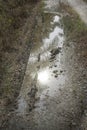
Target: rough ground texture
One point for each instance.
(60, 104)
(16, 29)
(80, 7)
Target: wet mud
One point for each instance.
(51, 96)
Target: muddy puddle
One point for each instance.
(50, 97)
(44, 75)
(51, 94)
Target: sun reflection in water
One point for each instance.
(43, 76)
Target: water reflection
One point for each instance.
(22, 106)
(54, 40)
(53, 35)
(43, 76)
(44, 69)
(56, 19)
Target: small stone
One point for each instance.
(56, 76)
(55, 71)
(61, 71)
(55, 65)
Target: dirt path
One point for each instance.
(80, 7)
(51, 96)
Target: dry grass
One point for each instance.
(14, 53)
(74, 27)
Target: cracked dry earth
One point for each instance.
(53, 94)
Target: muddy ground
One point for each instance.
(59, 49)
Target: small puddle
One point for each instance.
(44, 69)
(22, 106)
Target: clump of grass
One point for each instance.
(12, 14)
(73, 25)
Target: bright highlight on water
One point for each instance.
(43, 76)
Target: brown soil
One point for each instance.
(17, 22)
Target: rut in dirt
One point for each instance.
(51, 93)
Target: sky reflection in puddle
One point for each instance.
(54, 40)
(49, 78)
(56, 19)
(43, 76)
(45, 73)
